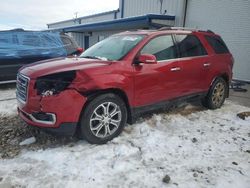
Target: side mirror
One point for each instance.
(80, 50)
(147, 59)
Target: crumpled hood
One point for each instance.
(57, 65)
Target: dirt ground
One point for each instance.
(13, 131)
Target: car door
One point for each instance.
(154, 83)
(194, 60)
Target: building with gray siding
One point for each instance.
(229, 18)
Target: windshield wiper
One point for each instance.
(91, 57)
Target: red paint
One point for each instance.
(143, 84)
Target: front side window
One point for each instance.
(113, 48)
(189, 46)
(161, 47)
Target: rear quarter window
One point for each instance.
(217, 44)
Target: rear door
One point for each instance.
(158, 82)
(194, 60)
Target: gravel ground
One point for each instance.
(13, 131)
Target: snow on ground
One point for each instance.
(8, 107)
(7, 93)
(202, 149)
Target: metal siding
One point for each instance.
(63, 24)
(98, 18)
(230, 19)
(141, 7)
(94, 38)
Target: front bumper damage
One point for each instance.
(58, 113)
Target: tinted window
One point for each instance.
(218, 44)
(189, 46)
(161, 47)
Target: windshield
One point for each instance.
(113, 48)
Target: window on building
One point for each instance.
(217, 44)
(161, 47)
(189, 46)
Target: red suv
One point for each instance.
(120, 78)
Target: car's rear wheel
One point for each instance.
(216, 95)
(103, 118)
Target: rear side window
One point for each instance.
(189, 46)
(217, 44)
(161, 47)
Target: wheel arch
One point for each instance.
(224, 76)
(117, 91)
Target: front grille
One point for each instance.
(22, 87)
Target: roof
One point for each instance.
(84, 17)
(155, 31)
(168, 30)
(118, 24)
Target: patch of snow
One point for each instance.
(7, 93)
(8, 107)
(28, 141)
(144, 153)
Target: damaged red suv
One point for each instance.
(121, 77)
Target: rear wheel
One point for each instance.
(103, 118)
(216, 95)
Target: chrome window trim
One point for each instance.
(182, 58)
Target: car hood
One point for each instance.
(57, 65)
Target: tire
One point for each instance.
(103, 119)
(216, 95)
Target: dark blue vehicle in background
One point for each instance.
(19, 47)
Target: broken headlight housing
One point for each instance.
(54, 83)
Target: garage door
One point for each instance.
(230, 19)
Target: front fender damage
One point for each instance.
(67, 105)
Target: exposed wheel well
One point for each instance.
(91, 95)
(225, 77)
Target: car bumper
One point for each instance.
(57, 113)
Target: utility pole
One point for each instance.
(75, 15)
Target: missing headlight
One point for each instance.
(54, 83)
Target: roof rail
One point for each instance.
(177, 28)
(183, 28)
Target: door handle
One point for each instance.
(206, 64)
(175, 69)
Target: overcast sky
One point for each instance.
(35, 14)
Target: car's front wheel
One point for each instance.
(103, 118)
(216, 95)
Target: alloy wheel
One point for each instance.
(105, 119)
(218, 94)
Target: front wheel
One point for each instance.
(103, 119)
(216, 95)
